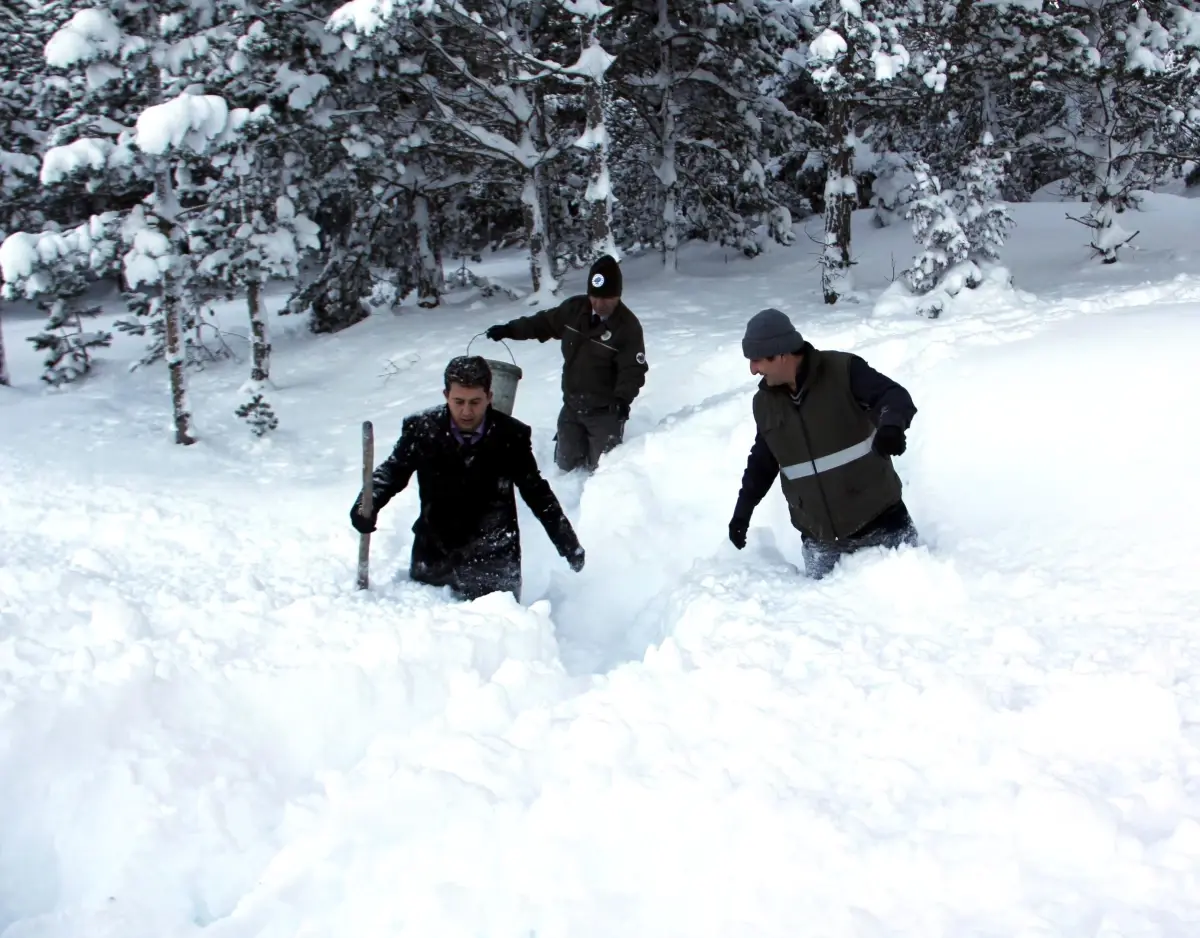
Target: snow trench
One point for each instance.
(206, 728)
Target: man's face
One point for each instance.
(467, 406)
(604, 306)
(778, 369)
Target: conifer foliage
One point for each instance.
(335, 160)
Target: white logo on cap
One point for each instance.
(641, 358)
(598, 280)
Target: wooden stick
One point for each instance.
(364, 540)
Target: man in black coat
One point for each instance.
(467, 458)
(604, 364)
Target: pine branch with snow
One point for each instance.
(33, 263)
(24, 118)
(56, 267)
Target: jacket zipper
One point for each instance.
(816, 474)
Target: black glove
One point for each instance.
(496, 333)
(622, 410)
(575, 559)
(889, 441)
(362, 524)
(737, 532)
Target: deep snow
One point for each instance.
(203, 727)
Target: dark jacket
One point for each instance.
(604, 364)
(467, 533)
(834, 481)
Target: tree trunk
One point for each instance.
(172, 307)
(260, 339)
(4, 379)
(599, 190)
(540, 129)
(431, 278)
(540, 269)
(181, 412)
(166, 210)
(841, 195)
(666, 173)
(1114, 169)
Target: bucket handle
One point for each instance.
(502, 342)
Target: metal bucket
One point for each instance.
(505, 377)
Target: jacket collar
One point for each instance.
(806, 372)
(447, 426)
(619, 315)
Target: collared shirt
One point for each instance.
(475, 436)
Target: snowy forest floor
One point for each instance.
(205, 728)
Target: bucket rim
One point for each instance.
(504, 367)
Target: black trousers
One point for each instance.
(468, 577)
(891, 529)
(586, 435)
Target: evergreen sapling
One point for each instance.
(944, 264)
(66, 344)
(985, 218)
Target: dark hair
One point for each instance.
(470, 371)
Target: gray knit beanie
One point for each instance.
(770, 333)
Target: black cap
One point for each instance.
(604, 277)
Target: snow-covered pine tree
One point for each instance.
(970, 95)
(592, 64)
(68, 346)
(960, 232)
(245, 230)
(891, 188)
(364, 171)
(26, 100)
(250, 234)
(1118, 82)
(477, 71)
(54, 264)
(944, 265)
(701, 126)
(985, 218)
(22, 129)
(90, 161)
(858, 51)
(168, 50)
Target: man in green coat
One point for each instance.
(604, 364)
(828, 425)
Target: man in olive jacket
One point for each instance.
(828, 424)
(468, 458)
(604, 364)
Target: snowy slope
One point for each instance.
(204, 727)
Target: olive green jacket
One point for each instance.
(834, 481)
